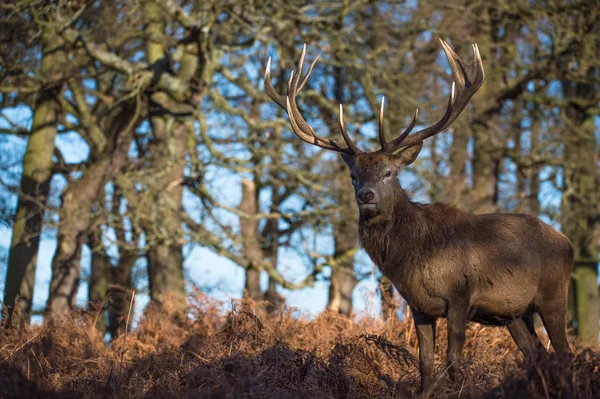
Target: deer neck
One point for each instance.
(398, 231)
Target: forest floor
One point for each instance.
(239, 354)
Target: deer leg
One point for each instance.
(425, 327)
(457, 325)
(529, 319)
(522, 330)
(554, 316)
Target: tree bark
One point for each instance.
(252, 248)
(345, 223)
(99, 279)
(121, 286)
(120, 292)
(165, 256)
(579, 209)
(533, 199)
(77, 208)
(486, 170)
(457, 178)
(345, 236)
(35, 186)
(167, 149)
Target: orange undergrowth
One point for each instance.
(243, 353)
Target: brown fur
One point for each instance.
(495, 269)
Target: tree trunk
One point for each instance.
(341, 289)
(77, 207)
(345, 223)
(534, 172)
(121, 287)
(345, 236)
(457, 178)
(165, 269)
(165, 256)
(35, 186)
(120, 292)
(579, 209)
(252, 248)
(75, 219)
(272, 230)
(272, 227)
(167, 151)
(99, 279)
(487, 162)
(486, 170)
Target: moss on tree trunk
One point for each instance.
(35, 186)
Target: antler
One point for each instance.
(468, 79)
(299, 125)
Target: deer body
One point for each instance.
(497, 261)
(495, 269)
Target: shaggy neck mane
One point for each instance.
(405, 219)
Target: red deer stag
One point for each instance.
(495, 269)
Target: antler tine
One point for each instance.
(382, 139)
(405, 141)
(410, 127)
(468, 78)
(282, 100)
(270, 90)
(288, 102)
(293, 84)
(385, 146)
(312, 64)
(347, 138)
(295, 128)
(293, 92)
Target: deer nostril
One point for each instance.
(365, 196)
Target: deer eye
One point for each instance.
(387, 174)
(353, 179)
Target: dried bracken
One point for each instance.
(239, 354)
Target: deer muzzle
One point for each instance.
(366, 196)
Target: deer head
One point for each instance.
(374, 173)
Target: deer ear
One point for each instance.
(348, 159)
(407, 155)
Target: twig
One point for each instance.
(463, 384)
(544, 385)
(100, 310)
(125, 335)
(410, 331)
(21, 347)
(38, 360)
(430, 390)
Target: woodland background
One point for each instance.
(136, 136)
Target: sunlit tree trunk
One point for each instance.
(35, 186)
(167, 152)
(579, 216)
